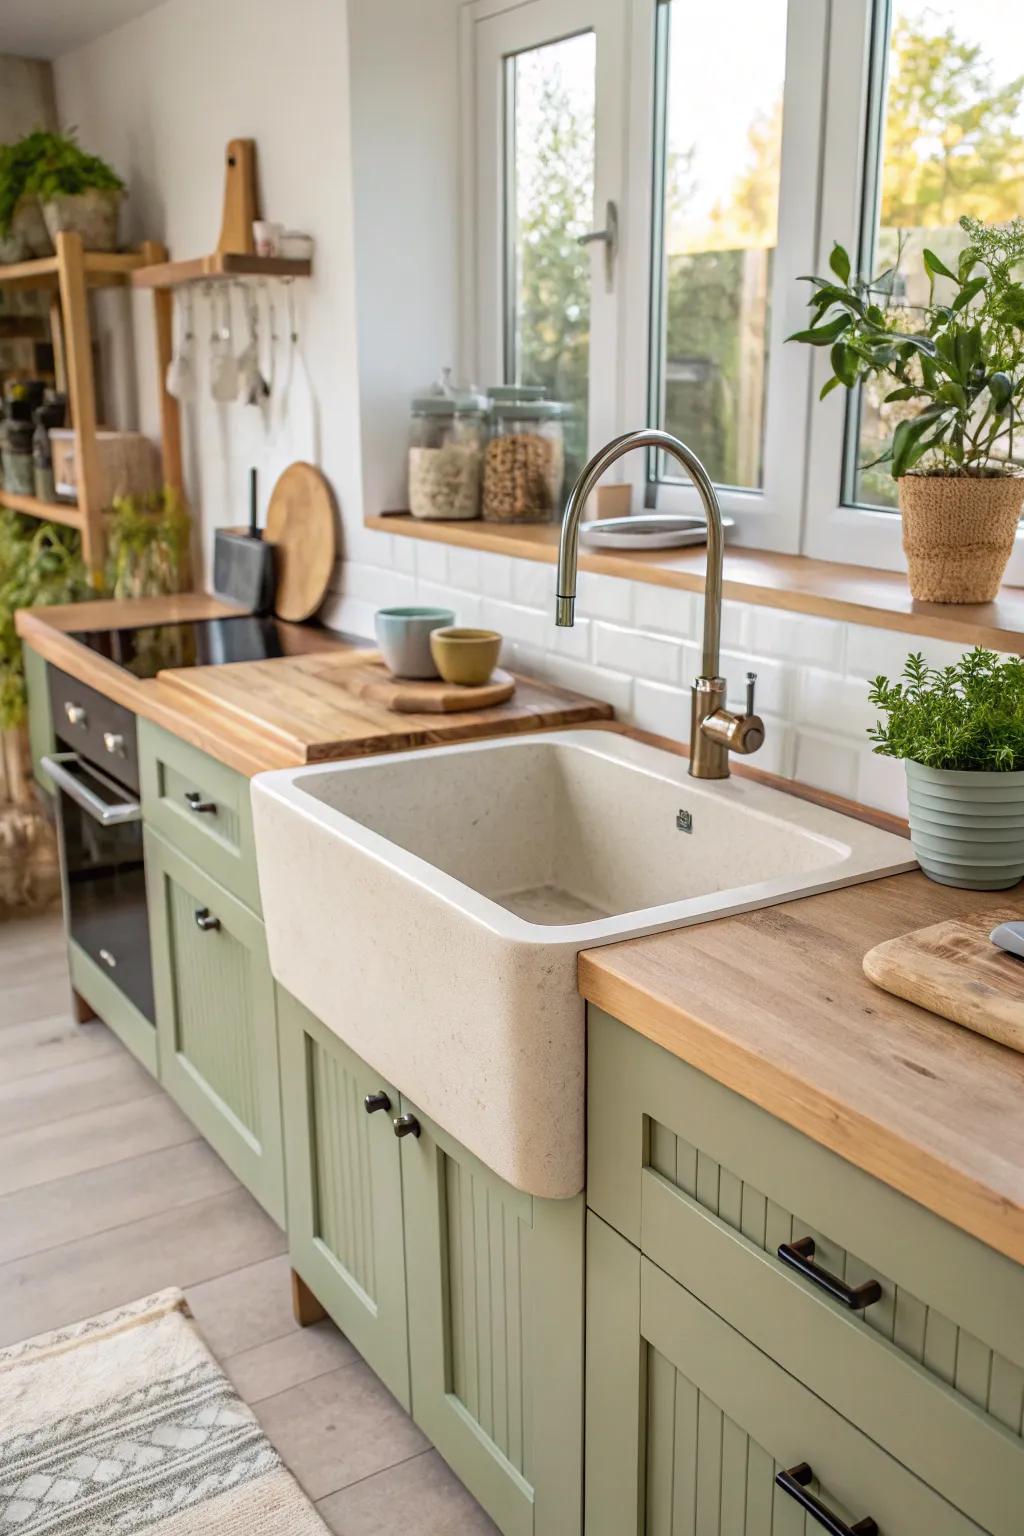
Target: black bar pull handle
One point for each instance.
(800, 1256)
(200, 806)
(795, 1481)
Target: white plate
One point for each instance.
(648, 530)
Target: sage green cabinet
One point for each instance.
(344, 1181)
(42, 739)
(216, 1019)
(465, 1295)
(495, 1281)
(689, 1425)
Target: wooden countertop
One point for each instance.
(279, 713)
(775, 1005)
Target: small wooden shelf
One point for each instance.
(218, 266)
(66, 512)
(103, 269)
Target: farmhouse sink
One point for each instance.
(429, 906)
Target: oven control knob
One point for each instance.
(76, 714)
(114, 743)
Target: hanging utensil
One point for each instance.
(254, 389)
(181, 371)
(223, 364)
(302, 407)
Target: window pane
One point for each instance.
(551, 203)
(952, 142)
(724, 70)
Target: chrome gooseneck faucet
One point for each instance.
(714, 730)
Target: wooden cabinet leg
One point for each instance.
(305, 1306)
(81, 1011)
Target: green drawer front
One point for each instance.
(344, 1176)
(175, 776)
(688, 1424)
(216, 1019)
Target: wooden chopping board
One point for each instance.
(410, 696)
(954, 970)
(304, 706)
(301, 522)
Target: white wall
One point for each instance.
(160, 98)
(26, 96)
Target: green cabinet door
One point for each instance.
(344, 1190)
(215, 1018)
(40, 719)
(495, 1288)
(689, 1425)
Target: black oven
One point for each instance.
(95, 774)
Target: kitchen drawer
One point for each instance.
(88, 722)
(200, 806)
(216, 1018)
(689, 1424)
(694, 1174)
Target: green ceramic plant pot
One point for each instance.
(967, 829)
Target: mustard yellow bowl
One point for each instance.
(465, 656)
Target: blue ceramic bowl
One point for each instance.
(403, 635)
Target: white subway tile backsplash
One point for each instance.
(830, 703)
(404, 556)
(871, 651)
(527, 626)
(882, 782)
(496, 576)
(665, 610)
(774, 682)
(351, 614)
(577, 642)
(796, 637)
(827, 762)
(464, 568)
(614, 688)
(736, 622)
(533, 583)
(631, 650)
(431, 561)
(383, 588)
(605, 597)
(464, 605)
(369, 547)
(662, 710)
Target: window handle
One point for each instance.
(609, 237)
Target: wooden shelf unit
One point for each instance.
(218, 267)
(69, 275)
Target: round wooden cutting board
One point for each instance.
(301, 522)
(372, 681)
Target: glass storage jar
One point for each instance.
(19, 479)
(446, 447)
(524, 465)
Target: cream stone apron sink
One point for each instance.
(429, 907)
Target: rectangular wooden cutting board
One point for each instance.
(306, 705)
(955, 970)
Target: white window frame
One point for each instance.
(492, 31)
(826, 131)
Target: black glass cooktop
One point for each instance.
(153, 648)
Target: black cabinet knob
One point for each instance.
(206, 921)
(407, 1125)
(375, 1101)
(199, 805)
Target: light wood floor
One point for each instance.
(108, 1193)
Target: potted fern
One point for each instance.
(23, 231)
(76, 191)
(956, 367)
(960, 732)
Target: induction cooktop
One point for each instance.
(146, 650)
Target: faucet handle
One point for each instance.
(751, 685)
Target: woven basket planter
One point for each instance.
(958, 533)
(967, 829)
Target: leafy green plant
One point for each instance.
(17, 161)
(60, 165)
(148, 544)
(969, 716)
(959, 365)
(40, 564)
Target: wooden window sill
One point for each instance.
(850, 593)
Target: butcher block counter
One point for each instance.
(775, 1005)
(280, 713)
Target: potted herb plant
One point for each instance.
(960, 732)
(76, 191)
(957, 366)
(23, 231)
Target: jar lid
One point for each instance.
(530, 410)
(447, 399)
(513, 392)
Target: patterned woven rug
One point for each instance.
(126, 1423)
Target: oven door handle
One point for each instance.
(107, 815)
